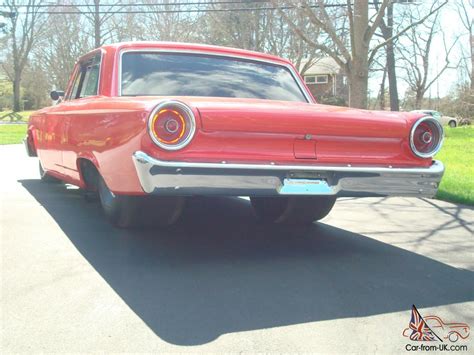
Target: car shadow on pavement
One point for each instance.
(220, 271)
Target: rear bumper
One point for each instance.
(185, 178)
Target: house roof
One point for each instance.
(326, 65)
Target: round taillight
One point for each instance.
(426, 137)
(172, 125)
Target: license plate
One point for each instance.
(305, 187)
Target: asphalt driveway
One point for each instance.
(221, 282)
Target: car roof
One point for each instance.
(181, 46)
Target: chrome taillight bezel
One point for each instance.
(190, 118)
(438, 146)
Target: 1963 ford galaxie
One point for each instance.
(147, 125)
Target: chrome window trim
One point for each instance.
(302, 88)
(192, 122)
(440, 142)
(68, 97)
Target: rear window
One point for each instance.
(170, 74)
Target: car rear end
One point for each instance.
(263, 148)
(237, 124)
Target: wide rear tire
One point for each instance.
(139, 211)
(292, 210)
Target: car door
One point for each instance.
(76, 108)
(52, 135)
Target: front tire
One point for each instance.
(452, 124)
(139, 211)
(292, 210)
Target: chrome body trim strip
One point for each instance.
(302, 87)
(192, 178)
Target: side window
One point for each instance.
(75, 85)
(87, 81)
(91, 79)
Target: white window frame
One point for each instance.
(315, 79)
(310, 82)
(325, 81)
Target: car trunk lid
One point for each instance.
(295, 118)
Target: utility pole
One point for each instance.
(97, 32)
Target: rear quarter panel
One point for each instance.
(105, 131)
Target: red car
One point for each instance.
(148, 124)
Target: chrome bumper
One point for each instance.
(185, 178)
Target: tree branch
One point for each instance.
(374, 50)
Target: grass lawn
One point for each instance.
(24, 116)
(457, 155)
(12, 133)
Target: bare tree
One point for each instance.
(240, 29)
(350, 51)
(62, 42)
(23, 29)
(164, 22)
(417, 56)
(386, 28)
(98, 14)
(465, 14)
(128, 27)
(350, 40)
(282, 41)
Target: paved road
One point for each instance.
(219, 281)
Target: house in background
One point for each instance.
(325, 79)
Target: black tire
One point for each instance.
(452, 124)
(90, 196)
(292, 210)
(45, 177)
(139, 211)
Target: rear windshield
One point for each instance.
(169, 74)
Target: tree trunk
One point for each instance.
(357, 93)
(472, 62)
(391, 72)
(359, 68)
(418, 100)
(357, 89)
(382, 90)
(16, 92)
(392, 79)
